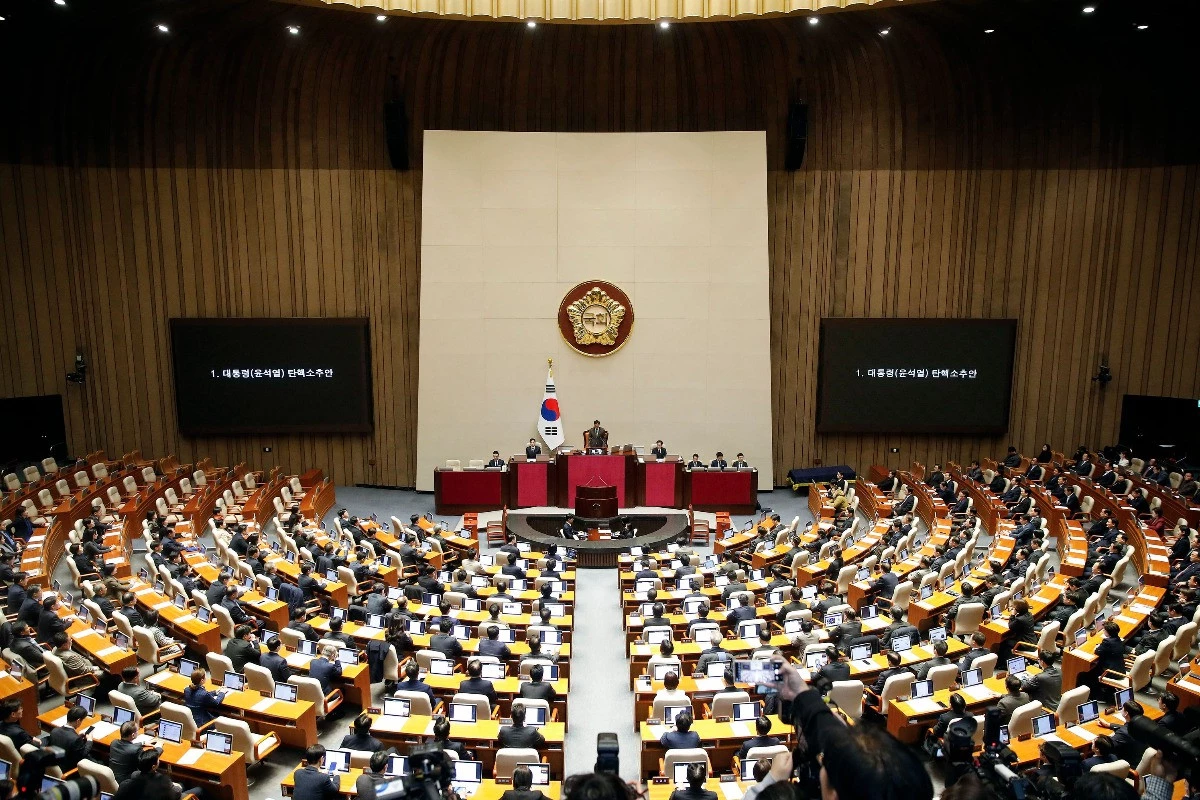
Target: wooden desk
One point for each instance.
(294, 723)
(662, 791)
(720, 739)
(1078, 660)
(221, 776)
(23, 691)
(488, 790)
(200, 637)
(479, 736)
(445, 686)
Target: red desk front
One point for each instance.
(531, 483)
(662, 483)
(729, 490)
(460, 491)
(579, 470)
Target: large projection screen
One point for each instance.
(511, 221)
(915, 375)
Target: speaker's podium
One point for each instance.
(595, 500)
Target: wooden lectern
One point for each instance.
(595, 502)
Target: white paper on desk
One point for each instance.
(1082, 733)
(1050, 737)
(147, 590)
(731, 791)
(1141, 608)
(85, 632)
(190, 757)
(162, 605)
(298, 660)
(3, 673)
(740, 729)
(143, 740)
(102, 729)
(925, 705)
(183, 618)
(1130, 620)
(108, 651)
(709, 684)
(263, 705)
(429, 728)
(980, 693)
(366, 630)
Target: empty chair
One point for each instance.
(1068, 706)
(224, 621)
(722, 706)
(49, 466)
(256, 747)
(1185, 637)
(508, 758)
(848, 696)
(31, 474)
(1021, 722)
(259, 679)
(122, 700)
(82, 480)
(310, 689)
(987, 664)
(102, 773)
(943, 677)
(129, 485)
(454, 464)
(148, 476)
(218, 665)
(968, 618)
(100, 470)
(11, 482)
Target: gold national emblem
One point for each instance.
(595, 318)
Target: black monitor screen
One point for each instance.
(247, 376)
(915, 375)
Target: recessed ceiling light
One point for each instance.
(1089, 9)
(885, 31)
(162, 28)
(813, 20)
(381, 18)
(1, 19)
(1142, 27)
(294, 30)
(664, 24)
(531, 24)
(989, 30)
(60, 2)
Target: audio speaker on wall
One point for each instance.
(396, 128)
(797, 135)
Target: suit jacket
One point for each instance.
(200, 701)
(16, 598)
(538, 691)
(533, 451)
(277, 665)
(521, 736)
(28, 649)
(122, 759)
(678, 740)
(522, 794)
(145, 699)
(1046, 686)
(241, 653)
(50, 624)
(497, 648)
(480, 686)
(312, 784)
(31, 612)
(688, 793)
(326, 672)
(77, 747)
(719, 463)
(446, 644)
(1110, 654)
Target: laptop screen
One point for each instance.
(86, 702)
(171, 731)
(833, 619)
(235, 681)
(286, 692)
(972, 677)
(203, 614)
(937, 634)
(1123, 697)
(222, 743)
(745, 712)
(921, 689)
(662, 670)
(927, 591)
(748, 770)
(1088, 711)
(1081, 636)
(658, 635)
(868, 612)
(122, 715)
(814, 661)
(808, 592)
(540, 772)
(5, 768)
(463, 712)
(180, 602)
(491, 672)
(860, 652)
(397, 765)
(1016, 664)
(441, 666)
(468, 771)
(681, 771)
(535, 716)
(308, 648)
(901, 643)
(396, 707)
(1043, 725)
(347, 656)
(671, 712)
(186, 666)
(337, 761)
(376, 621)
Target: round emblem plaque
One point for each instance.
(595, 318)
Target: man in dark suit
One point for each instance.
(17, 593)
(492, 646)
(123, 753)
(978, 648)
(836, 669)
(31, 609)
(740, 608)
(511, 569)
(1110, 655)
(67, 737)
(762, 727)
(739, 462)
(1125, 745)
(231, 604)
(658, 451)
(893, 668)
(50, 622)
(683, 737)
(695, 462)
(412, 681)
(518, 734)
(719, 462)
(242, 649)
(299, 623)
(325, 668)
(697, 774)
(474, 684)
(906, 505)
(1013, 459)
(536, 688)
(1046, 686)
(596, 436)
(310, 782)
(274, 663)
(496, 461)
(532, 450)
(850, 628)
(522, 781)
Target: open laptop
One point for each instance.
(1088, 712)
(972, 677)
(535, 716)
(286, 692)
(396, 707)
(463, 712)
(1123, 697)
(868, 612)
(937, 634)
(927, 591)
(671, 712)
(540, 772)
(397, 766)
(203, 614)
(170, 731)
(1043, 725)
(122, 715)
(308, 648)
(902, 643)
(861, 653)
(745, 712)
(1017, 666)
(834, 619)
(808, 592)
(815, 660)
(921, 689)
(347, 656)
(468, 777)
(235, 681)
(491, 672)
(86, 702)
(862, 574)
(336, 761)
(660, 671)
(186, 666)
(222, 743)
(679, 775)
(747, 775)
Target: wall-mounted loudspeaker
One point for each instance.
(395, 126)
(797, 135)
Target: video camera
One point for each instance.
(1175, 749)
(33, 771)
(430, 771)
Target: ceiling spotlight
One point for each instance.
(381, 18)
(294, 30)
(162, 28)
(813, 20)
(60, 2)
(989, 30)
(1, 19)
(664, 24)
(1089, 9)
(531, 24)
(885, 31)
(1142, 27)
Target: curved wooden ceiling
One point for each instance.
(605, 11)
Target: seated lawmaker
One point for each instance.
(496, 461)
(518, 734)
